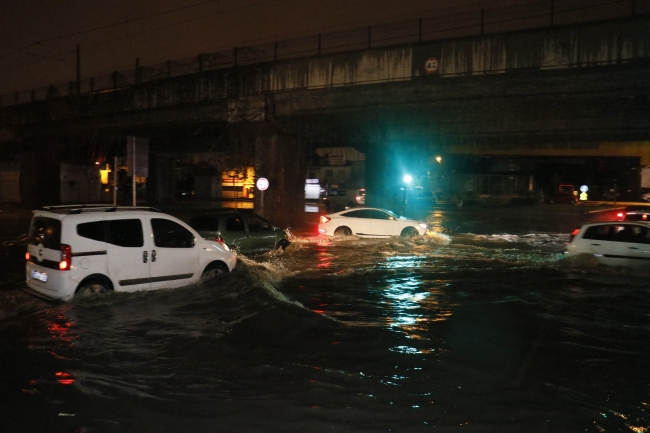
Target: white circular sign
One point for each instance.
(262, 183)
(431, 65)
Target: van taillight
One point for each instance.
(66, 257)
(574, 234)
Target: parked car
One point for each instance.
(76, 250)
(369, 222)
(617, 243)
(243, 231)
(634, 213)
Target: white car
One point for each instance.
(369, 222)
(617, 243)
(75, 250)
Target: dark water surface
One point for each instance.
(484, 326)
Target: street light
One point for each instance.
(407, 179)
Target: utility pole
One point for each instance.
(78, 69)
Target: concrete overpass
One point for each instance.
(577, 91)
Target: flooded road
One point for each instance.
(484, 326)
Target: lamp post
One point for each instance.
(407, 181)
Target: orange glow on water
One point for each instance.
(65, 378)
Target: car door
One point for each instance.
(235, 233)
(358, 221)
(173, 253)
(633, 246)
(261, 234)
(383, 224)
(127, 253)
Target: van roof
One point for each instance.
(83, 208)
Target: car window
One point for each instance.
(618, 233)
(378, 215)
(235, 224)
(205, 222)
(170, 234)
(635, 234)
(46, 231)
(125, 233)
(258, 225)
(362, 213)
(95, 230)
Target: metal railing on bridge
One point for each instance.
(463, 24)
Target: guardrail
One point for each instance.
(416, 31)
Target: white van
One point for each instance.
(342, 198)
(75, 250)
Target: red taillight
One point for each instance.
(620, 216)
(66, 257)
(574, 233)
(27, 256)
(219, 239)
(324, 219)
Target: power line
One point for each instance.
(129, 21)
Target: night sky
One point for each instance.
(38, 38)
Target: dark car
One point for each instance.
(634, 213)
(245, 232)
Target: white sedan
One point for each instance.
(369, 222)
(618, 243)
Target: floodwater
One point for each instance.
(484, 326)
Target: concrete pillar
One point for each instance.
(40, 171)
(282, 159)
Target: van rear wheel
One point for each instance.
(92, 287)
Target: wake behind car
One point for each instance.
(243, 231)
(617, 243)
(369, 222)
(75, 250)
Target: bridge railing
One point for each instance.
(461, 24)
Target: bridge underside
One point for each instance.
(560, 117)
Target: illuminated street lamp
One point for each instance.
(439, 159)
(407, 179)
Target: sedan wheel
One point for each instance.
(409, 232)
(343, 231)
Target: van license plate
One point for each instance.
(40, 276)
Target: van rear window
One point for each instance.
(46, 231)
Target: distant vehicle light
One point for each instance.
(27, 256)
(324, 219)
(620, 215)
